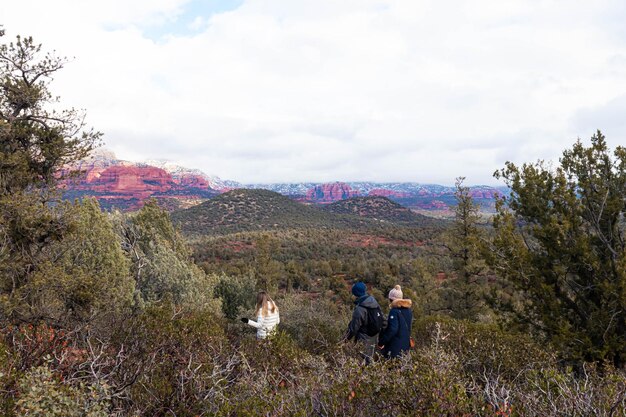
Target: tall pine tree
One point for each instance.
(465, 241)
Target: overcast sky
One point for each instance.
(320, 90)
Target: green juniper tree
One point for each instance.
(268, 270)
(296, 278)
(35, 143)
(465, 242)
(72, 274)
(560, 241)
(161, 262)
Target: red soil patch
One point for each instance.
(362, 241)
(239, 246)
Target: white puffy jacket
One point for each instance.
(265, 325)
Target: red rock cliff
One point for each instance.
(488, 193)
(329, 193)
(381, 192)
(126, 185)
(194, 181)
(139, 182)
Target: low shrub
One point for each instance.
(316, 324)
(483, 348)
(171, 360)
(167, 360)
(43, 393)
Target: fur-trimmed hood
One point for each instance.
(406, 303)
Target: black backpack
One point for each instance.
(375, 321)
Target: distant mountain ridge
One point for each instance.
(378, 188)
(416, 196)
(125, 185)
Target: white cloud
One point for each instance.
(352, 90)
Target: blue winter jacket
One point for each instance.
(396, 337)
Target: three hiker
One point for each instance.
(267, 316)
(368, 326)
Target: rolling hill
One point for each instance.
(379, 208)
(248, 210)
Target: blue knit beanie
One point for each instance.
(359, 289)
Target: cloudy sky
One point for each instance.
(320, 90)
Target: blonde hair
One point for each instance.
(262, 302)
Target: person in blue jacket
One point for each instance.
(396, 338)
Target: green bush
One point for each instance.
(162, 265)
(168, 360)
(236, 293)
(315, 324)
(174, 360)
(483, 348)
(44, 394)
(69, 276)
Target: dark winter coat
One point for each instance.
(396, 337)
(356, 328)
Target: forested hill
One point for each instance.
(380, 208)
(245, 210)
(249, 210)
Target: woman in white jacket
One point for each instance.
(267, 317)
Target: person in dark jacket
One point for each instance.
(356, 327)
(396, 338)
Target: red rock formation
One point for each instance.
(329, 193)
(433, 205)
(194, 181)
(89, 169)
(138, 182)
(381, 192)
(126, 185)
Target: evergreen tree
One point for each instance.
(69, 276)
(161, 261)
(236, 293)
(560, 241)
(35, 143)
(465, 242)
(268, 270)
(296, 278)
